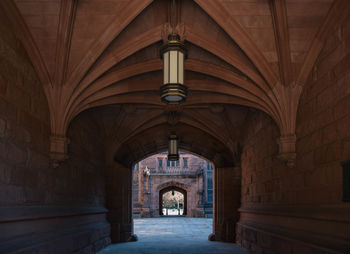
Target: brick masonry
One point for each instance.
(53, 210)
(300, 210)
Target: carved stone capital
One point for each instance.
(287, 149)
(58, 149)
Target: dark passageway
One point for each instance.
(259, 88)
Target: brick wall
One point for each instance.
(300, 210)
(53, 210)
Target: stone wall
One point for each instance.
(300, 210)
(49, 210)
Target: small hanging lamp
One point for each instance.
(173, 53)
(173, 151)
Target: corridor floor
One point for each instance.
(170, 235)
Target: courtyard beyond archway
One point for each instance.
(169, 235)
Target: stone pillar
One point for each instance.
(227, 199)
(200, 189)
(119, 203)
(140, 190)
(205, 185)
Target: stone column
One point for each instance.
(119, 203)
(205, 185)
(200, 189)
(140, 190)
(227, 199)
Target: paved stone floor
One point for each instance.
(170, 235)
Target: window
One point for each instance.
(172, 164)
(346, 181)
(177, 163)
(167, 163)
(210, 183)
(185, 162)
(160, 163)
(210, 186)
(210, 196)
(209, 166)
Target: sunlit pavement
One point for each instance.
(170, 235)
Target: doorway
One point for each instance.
(172, 201)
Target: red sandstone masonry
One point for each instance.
(323, 135)
(26, 179)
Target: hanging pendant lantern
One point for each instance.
(173, 53)
(173, 152)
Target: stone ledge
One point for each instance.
(18, 213)
(336, 213)
(67, 240)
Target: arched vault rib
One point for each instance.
(201, 123)
(137, 86)
(335, 15)
(220, 14)
(233, 78)
(149, 37)
(158, 117)
(126, 16)
(22, 32)
(139, 42)
(153, 35)
(223, 52)
(136, 126)
(153, 99)
(193, 140)
(194, 65)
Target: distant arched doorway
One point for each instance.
(172, 189)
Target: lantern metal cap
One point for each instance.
(173, 93)
(173, 43)
(173, 37)
(173, 137)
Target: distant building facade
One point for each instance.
(155, 176)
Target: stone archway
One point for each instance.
(170, 188)
(172, 185)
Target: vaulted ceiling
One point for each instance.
(252, 53)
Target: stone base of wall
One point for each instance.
(53, 230)
(259, 239)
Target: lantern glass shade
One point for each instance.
(173, 54)
(173, 152)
